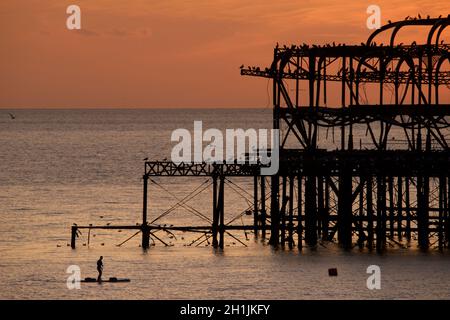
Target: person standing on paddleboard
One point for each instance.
(100, 268)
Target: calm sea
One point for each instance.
(59, 167)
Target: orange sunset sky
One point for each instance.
(166, 53)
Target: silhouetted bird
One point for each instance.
(12, 116)
(145, 159)
(241, 67)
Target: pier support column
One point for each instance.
(381, 213)
(447, 215)
(274, 212)
(215, 223)
(255, 206)
(391, 207)
(310, 211)
(345, 214)
(221, 212)
(369, 212)
(284, 200)
(300, 212)
(442, 211)
(291, 213)
(399, 207)
(423, 211)
(263, 207)
(145, 229)
(407, 209)
(320, 206)
(326, 210)
(361, 235)
(73, 237)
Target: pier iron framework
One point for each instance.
(334, 184)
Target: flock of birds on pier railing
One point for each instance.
(305, 47)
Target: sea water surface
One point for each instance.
(59, 167)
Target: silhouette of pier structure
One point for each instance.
(389, 185)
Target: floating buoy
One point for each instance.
(332, 272)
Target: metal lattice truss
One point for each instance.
(415, 76)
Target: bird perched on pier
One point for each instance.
(241, 67)
(389, 21)
(419, 16)
(407, 18)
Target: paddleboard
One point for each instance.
(113, 279)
